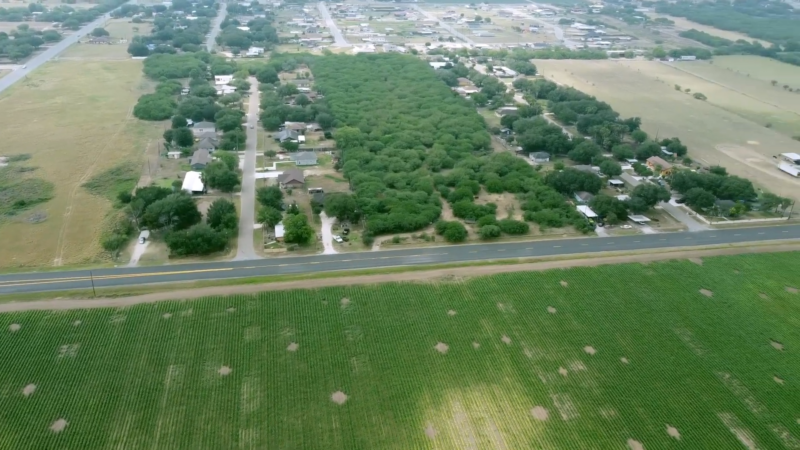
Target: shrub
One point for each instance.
(489, 232)
(511, 226)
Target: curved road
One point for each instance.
(83, 279)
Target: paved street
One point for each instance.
(338, 37)
(211, 41)
(82, 279)
(247, 217)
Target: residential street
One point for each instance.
(338, 37)
(247, 217)
(211, 41)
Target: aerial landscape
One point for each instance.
(363, 225)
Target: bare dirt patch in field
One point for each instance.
(76, 323)
(673, 432)
(339, 397)
(551, 310)
(635, 445)
(539, 413)
(231, 310)
(430, 431)
(441, 347)
(564, 283)
(451, 313)
(776, 344)
(29, 390)
(562, 371)
(167, 315)
(624, 360)
(706, 292)
(14, 327)
(763, 296)
(506, 339)
(476, 345)
(778, 379)
(293, 347)
(58, 426)
(224, 370)
(697, 261)
(590, 350)
(345, 302)
(791, 290)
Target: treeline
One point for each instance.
(773, 21)
(69, 17)
(23, 41)
(172, 30)
(175, 214)
(788, 52)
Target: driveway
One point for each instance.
(683, 217)
(138, 251)
(327, 234)
(247, 215)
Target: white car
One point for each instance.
(337, 238)
(252, 126)
(141, 240)
(626, 227)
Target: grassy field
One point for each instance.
(685, 356)
(118, 29)
(74, 118)
(686, 24)
(716, 131)
(764, 69)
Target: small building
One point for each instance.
(280, 231)
(204, 127)
(222, 79)
(583, 168)
(616, 183)
(793, 158)
(587, 212)
(305, 158)
(658, 165)
(286, 135)
(438, 65)
(200, 159)
(313, 127)
(790, 169)
(583, 197)
(100, 40)
(688, 58)
(623, 197)
(630, 179)
(292, 178)
(506, 111)
(193, 183)
(174, 154)
(641, 220)
(539, 157)
(298, 127)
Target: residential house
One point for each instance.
(100, 40)
(583, 197)
(292, 178)
(204, 127)
(506, 110)
(633, 181)
(174, 155)
(222, 79)
(298, 127)
(193, 183)
(539, 157)
(280, 231)
(225, 89)
(586, 211)
(658, 165)
(616, 183)
(313, 127)
(208, 144)
(305, 158)
(584, 168)
(285, 135)
(200, 159)
(255, 51)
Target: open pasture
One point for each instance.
(760, 68)
(118, 29)
(74, 119)
(715, 133)
(681, 23)
(680, 354)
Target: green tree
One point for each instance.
(182, 137)
(646, 196)
(199, 239)
(230, 159)
(622, 152)
(174, 212)
(222, 215)
(513, 227)
(269, 216)
(452, 231)
(489, 231)
(271, 196)
(610, 168)
(98, 32)
(297, 229)
(639, 136)
(267, 75)
(178, 121)
(699, 198)
(342, 206)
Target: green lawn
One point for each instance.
(610, 355)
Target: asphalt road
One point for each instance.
(82, 279)
(33, 63)
(211, 41)
(247, 218)
(338, 37)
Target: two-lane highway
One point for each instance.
(82, 279)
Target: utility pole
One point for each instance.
(91, 276)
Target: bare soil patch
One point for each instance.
(339, 397)
(58, 426)
(476, 345)
(776, 344)
(778, 379)
(345, 302)
(589, 349)
(76, 323)
(539, 413)
(551, 310)
(697, 261)
(441, 347)
(224, 370)
(624, 360)
(430, 431)
(167, 315)
(706, 292)
(451, 313)
(673, 432)
(635, 445)
(29, 390)
(564, 283)
(562, 371)
(506, 339)
(763, 296)
(791, 290)
(293, 347)
(231, 310)
(577, 366)
(14, 327)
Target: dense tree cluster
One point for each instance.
(719, 184)
(172, 32)
(69, 17)
(260, 33)
(400, 123)
(23, 41)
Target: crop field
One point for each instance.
(720, 131)
(680, 354)
(74, 119)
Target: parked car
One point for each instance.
(141, 240)
(337, 238)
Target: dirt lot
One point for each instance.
(412, 276)
(74, 118)
(713, 134)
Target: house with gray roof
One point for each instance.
(285, 135)
(305, 158)
(292, 178)
(200, 159)
(204, 127)
(207, 143)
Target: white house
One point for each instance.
(255, 51)
(225, 89)
(586, 211)
(437, 64)
(222, 79)
(173, 155)
(193, 183)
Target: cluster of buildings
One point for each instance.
(222, 86)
